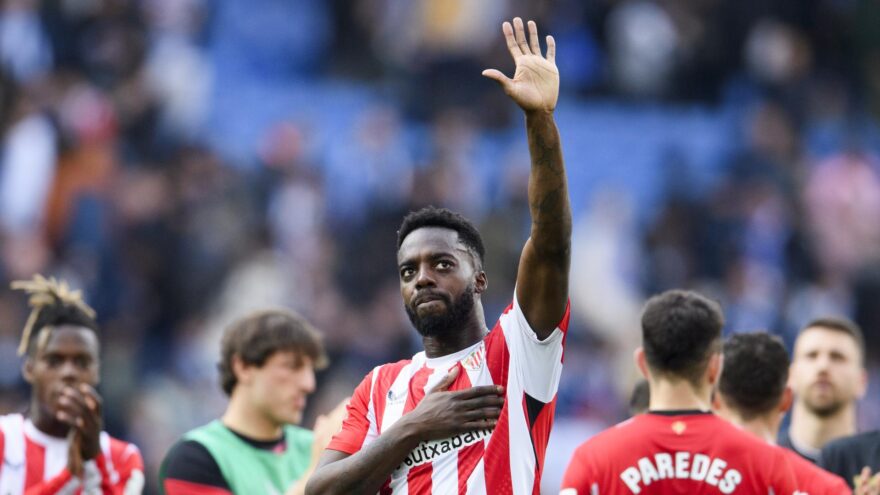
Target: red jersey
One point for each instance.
(35, 463)
(813, 480)
(508, 459)
(690, 453)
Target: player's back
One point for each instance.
(683, 452)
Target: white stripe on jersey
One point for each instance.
(444, 477)
(55, 458)
(522, 467)
(395, 398)
(476, 484)
(373, 431)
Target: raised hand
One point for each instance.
(866, 484)
(535, 84)
(80, 407)
(442, 414)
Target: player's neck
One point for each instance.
(677, 396)
(45, 422)
(453, 341)
(765, 427)
(242, 418)
(815, 431)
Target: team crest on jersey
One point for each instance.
(474, 360)
(679, 427)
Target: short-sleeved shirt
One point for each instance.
(508, 459)
(678, 452)
(35, 462)
(846, 457)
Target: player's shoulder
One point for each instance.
(188, 452)
(811, 476)
(744, 439)
(396, 365)
(612, 438)
(11, 418)
(122, 449)
(859, 441)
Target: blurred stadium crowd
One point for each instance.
(184, 161)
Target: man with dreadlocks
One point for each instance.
(472, 413)
(58, 447)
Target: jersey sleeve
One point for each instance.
(537, 363)
(129, 465)
(356, 425)
(189, 469)
(578, 475)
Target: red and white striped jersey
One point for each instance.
(35, 463)
(508, 459)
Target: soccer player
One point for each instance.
(678, 446)
(472, 412)
(267, 368)
(58, 447)
(752, 393)
(849, 456)
(828, 377)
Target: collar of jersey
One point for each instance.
(679, 412)
(44, 439)
(445, 361)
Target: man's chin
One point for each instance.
(432, 326)
(824, 408)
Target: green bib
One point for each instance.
(249, 470)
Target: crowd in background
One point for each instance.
(185, 161)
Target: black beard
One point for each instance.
(826, 411)
(450, 322)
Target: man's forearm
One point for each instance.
(364, 472)
(548, 189)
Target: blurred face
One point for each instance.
(826, 371)
(68, 359)
(437, 280)
(279, 388)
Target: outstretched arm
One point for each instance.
(542, 280)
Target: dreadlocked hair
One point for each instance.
(52, 303)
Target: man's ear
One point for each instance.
(481, 283)
(242, 371)
(27, 370)
(787, 400)
(863, 384)
(716, 365)
(642, 362)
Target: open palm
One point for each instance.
(535, 84)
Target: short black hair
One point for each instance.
(444, 218)
(256, 337)
(755, 373)
(680, 332)
(842, 325)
